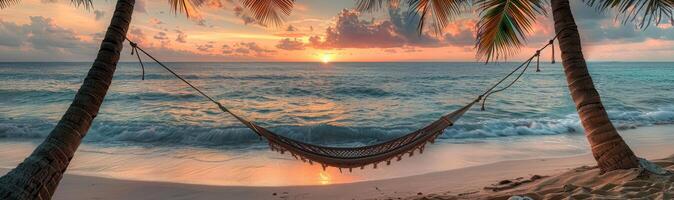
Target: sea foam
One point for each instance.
(147, 133)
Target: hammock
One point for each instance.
(354, 157)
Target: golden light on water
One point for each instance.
(324, 178)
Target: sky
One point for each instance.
(56, 30)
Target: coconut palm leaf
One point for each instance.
(185, 6)
(375, 5)
(86, 3)
(269, 12)
(650, 11)
(441, 11)
(7, 3)
(503, 26)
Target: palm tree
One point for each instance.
(38, 175)
(502, 29)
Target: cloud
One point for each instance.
(460, 33)
(11, 34)
(601, 28)
(245, 49)
(406, 26)
(411, 49)
(400, 30)
(351, 32)
(99, 14)
(390, 51)
(290, 45)
(155, 21)
(291, 32)
(247, 19)
(182, 37)
(160, 36)
(39, 39)
(201, 22)
(205, 47)
(208, 51)
(226, 49)
(139, 6)
(393, 32)
(137, 35)
(214, 4)
(97, 36)
(42, 33)
(254, 47)
(291, 28)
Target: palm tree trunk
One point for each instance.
(608, 148)
(38, 176)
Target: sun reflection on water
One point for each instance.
(324, 178)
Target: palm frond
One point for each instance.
(650, 11)
(442, 11)
(8, 3)
(269, 12)
(185, 6)
(375, 5)
(88, 4)
(503, 26)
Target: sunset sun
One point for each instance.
(326, 58)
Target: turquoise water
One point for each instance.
(330, 104)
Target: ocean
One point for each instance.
(335, 104)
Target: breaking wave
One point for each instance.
(161, 134)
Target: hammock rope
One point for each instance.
(358, 157)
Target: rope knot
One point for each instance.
(134, 48)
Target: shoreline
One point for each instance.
(458, 182)
(455, 182)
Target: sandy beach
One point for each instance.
(366, 99)
(468, 183)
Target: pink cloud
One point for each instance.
(400, 30)
(155, 21)
(160, 36)
(290, 45)
(214, 4)
(246, 49)
(351, 32)
(247, 19)
(181, 37)
(205, 47)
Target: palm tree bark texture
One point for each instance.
(38, 175)
(608, 148)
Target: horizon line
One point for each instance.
(590, 61)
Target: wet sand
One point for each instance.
(466, 183)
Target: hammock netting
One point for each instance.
(354, 157)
